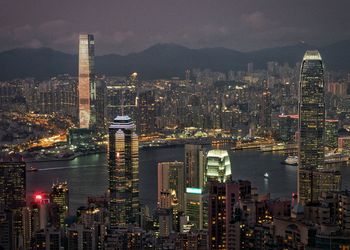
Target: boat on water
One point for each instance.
(291, 160)
(330, 158)
(32, 169)
(266, 175)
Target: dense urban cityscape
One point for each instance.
(244, 159)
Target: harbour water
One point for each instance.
(88, 175)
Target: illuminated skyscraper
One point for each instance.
(195, 207)
(60, 196)
(218, 167)
(312, 179)
(13, 199)
(86, 87)
(123, 161)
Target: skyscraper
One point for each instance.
(146, 112)
(171, 180)
(194, 165)
(13, 199)
(266, 109)
(311, 128)
(195, 207)
(60, 196)
(86, 86)
(218, 167)
(123, 161)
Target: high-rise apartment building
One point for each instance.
(222, 205)
(123, 161)
(146, 112)
(266, 107)
(86, 86)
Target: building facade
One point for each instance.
(123, 161)
(311, 125)
(86, 86)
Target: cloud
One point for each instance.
(256, 21)
(128, 26)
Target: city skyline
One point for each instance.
(249, 155)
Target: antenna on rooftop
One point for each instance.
(122, 102)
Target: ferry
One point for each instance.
(330, 158)
(291, 160)
(32, 169)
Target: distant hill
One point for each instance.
(162, 60)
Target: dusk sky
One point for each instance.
(128, 26)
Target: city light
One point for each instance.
(193, 190)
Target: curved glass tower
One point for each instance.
(311, 124)
(218, 166)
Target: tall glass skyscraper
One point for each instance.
(123, 161)
(86, 87)
(312, 177)
(12, 202)
(218, 167)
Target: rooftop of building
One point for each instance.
(312, 55)
(217, 153)
(122, 121)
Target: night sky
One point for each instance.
(133, 25)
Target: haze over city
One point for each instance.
(129, 26)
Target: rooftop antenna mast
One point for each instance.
(122, 102)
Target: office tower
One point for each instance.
(13, 184)
(194, 165)
(13, 199)
(171, 180)
(60, 196)
(266, 107)
(123, 161)
(311, 126)
(195, 207)
(218, 166)
(86, 86)
(146, 112)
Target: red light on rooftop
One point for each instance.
(38, 197)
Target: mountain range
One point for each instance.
(163, 60)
